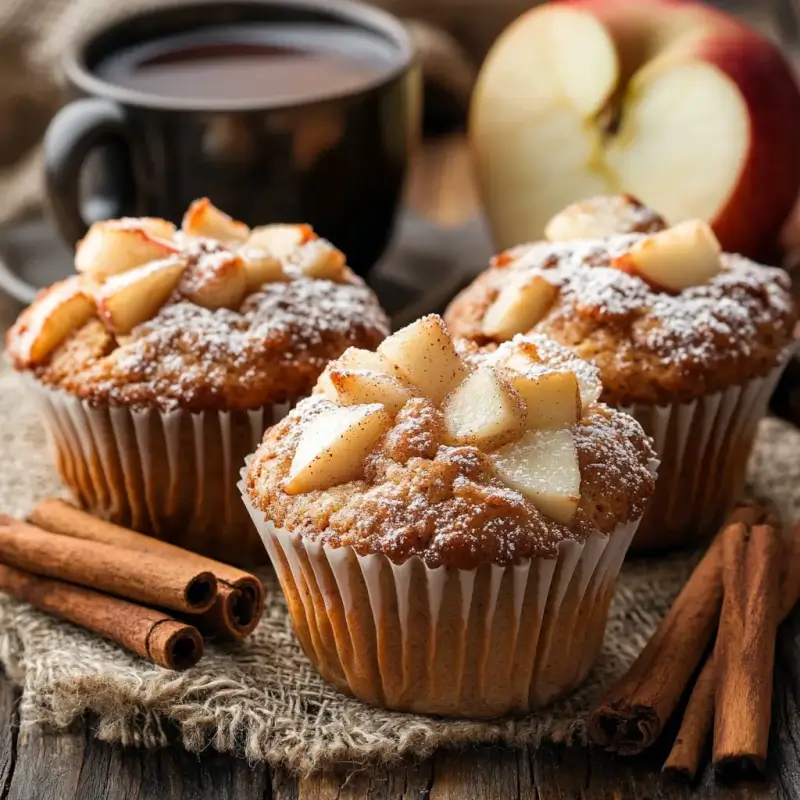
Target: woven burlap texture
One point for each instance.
(262, 699)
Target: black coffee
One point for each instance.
(251, 63)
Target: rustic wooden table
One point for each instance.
(74, 765)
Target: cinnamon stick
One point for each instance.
(146, 578)
(632, 715)
(148, 633)
(240, 598)
(686, 756)
(745, 651)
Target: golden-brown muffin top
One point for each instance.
(213, 316)
(463, 461)
(723, 321)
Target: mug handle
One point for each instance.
(77, 129)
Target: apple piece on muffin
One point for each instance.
(543, 465)
(685, 255)
(115, 246)
(215, 280)
(552, 398)
(605, 215)
(484, 411)
(280, 240)
(58, 311)
(204, 219)
(128, 299)
(332, 447)
(260, 267)
(356, 387)
(423, 354)
(518, 307)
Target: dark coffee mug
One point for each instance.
(335, 160)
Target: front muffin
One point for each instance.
(162, 362)
(687, 339)
(447, 530)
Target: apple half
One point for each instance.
(672, 101)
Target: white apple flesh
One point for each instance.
(552, 399)
(685, 255)
(484, 411)
(333, 446)
(543, 466)
(358, 387)
(518, 307)
(675, 102)
(204, 219)
(422, 354)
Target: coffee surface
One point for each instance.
(253, 62)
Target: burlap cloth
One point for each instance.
(262, 699)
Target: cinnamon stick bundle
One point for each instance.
(147, 578)
(686, 756)
(150, 634)
(240, 597)
(632, 715)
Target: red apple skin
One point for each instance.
(751, 220)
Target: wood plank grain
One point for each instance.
(784, 746)
(479, 773)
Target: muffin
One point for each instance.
(687, 339)
(447, 530)
(161, 363)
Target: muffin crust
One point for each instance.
(445, 504)
(650, 346)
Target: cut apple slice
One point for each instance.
(552, 399)
(333, 446)
(57, 312)
(280, 240)
(204, 219)
(125, 301)
(484, 411)
(685, 255)
(357, 358)
(115, 246)
(155, 226)
(518, 307)
(603, 216)
(319, 259)
(423, 354)
(357, 387)
(543, 465)
(217, 280)
(261, 267)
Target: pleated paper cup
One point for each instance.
(469, 643)
(170, 474)
(703, 447)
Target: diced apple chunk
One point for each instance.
(603, 216)
(204, 219)
(217, 280)
(155, 226)
(280, 240)
(319, 259)
(261, 267)
(423, 354)
(518, 307)
(125, 301)
(552, 399)
(484, 411)
(60, 310)
(333, 446)
(357, 387)
(543, 465)
(357, 358)
(115, 246)
(688, 254)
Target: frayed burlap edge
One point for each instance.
(262, 699)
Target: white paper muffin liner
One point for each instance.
(475, 643)
(171, 474)
(703, 447)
